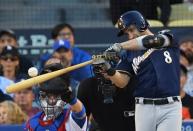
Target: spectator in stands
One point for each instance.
(184, 59)
(66, 32)
(62, 50)
(52, 61)
(187, 101)
(9, 61)
(8, 37)
(24, 99)
(186, 45)
(10, 113)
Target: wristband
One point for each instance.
(140, 42)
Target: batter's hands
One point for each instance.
(114, 48)
(101, 65)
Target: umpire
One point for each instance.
(112, 108)
(154, 60)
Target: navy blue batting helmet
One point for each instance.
(132, 18)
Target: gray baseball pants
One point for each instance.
(149, 117)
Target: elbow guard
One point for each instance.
(167, 33)
(155, 41)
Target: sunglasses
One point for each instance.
(12, 58)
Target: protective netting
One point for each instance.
(20, 14)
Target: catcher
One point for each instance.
(53, 96)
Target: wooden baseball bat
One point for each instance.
(42, 78)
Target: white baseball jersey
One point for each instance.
(71, 125)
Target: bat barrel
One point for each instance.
(42, 78)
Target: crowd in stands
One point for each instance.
(186, 81)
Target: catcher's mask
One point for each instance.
(52, 97)
(104, 85)
(51, 104)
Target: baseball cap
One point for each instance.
(8, 32)
(61, 44)
(9, 50)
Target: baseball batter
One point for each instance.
(154, 60)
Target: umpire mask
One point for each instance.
(104, 85)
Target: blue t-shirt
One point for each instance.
(79, 57)
(156, 70)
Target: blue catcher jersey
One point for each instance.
(36, 123)
(157, 71)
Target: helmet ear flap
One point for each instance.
(120, 24)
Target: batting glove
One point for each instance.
(115, 48)
(108, 69)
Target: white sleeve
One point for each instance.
(71, 125)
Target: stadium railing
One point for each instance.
(180, 23)
(155, 23)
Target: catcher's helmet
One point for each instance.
(56, 85)
(132, 18)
